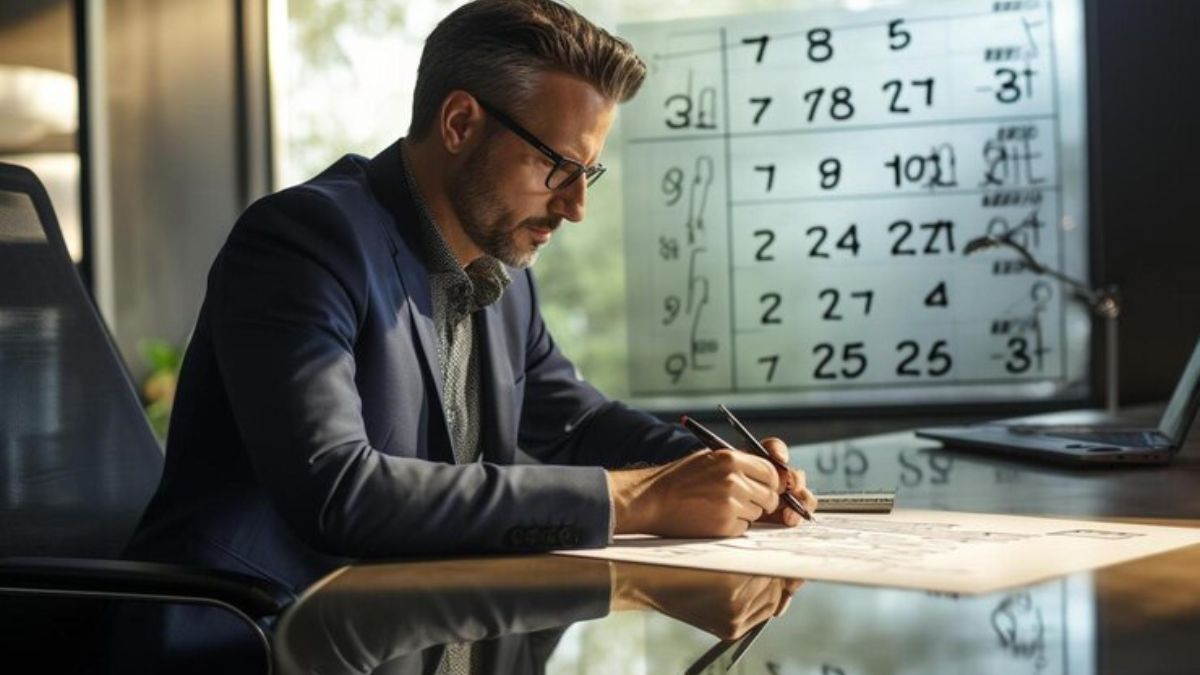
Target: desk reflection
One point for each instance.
(548, 614)
(399, 618)
(574, 615)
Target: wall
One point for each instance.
(1147, 149)
(176, 182)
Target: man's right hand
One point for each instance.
(714, 493)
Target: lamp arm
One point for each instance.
(1088, 294)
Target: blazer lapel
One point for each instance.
(385, 175)
(415, 280)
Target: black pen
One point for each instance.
(713, 440)
(758, 447)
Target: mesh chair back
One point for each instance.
(78, 460)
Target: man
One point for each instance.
(370, 375)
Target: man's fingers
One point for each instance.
(777, 448)
(779, 452)
(765, 606)
(806, 497)
(760, 470)
(762, 498)
(800, 490)
(748, 512)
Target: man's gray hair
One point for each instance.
(496, 50)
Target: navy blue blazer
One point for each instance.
(308, 426)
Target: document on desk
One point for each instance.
(946, 551)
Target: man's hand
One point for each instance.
(714, 493)
(793, 481)
(724, 604)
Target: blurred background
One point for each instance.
(154, 123)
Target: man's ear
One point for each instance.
(461, 122)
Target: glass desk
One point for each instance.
(565, 615)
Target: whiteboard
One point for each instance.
(798, 188)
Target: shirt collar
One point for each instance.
(471, 289)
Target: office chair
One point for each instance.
(78, 460)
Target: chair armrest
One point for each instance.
(254, 596)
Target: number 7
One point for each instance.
(763, 102)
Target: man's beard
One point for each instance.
(476, 201)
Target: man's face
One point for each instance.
(500, 195)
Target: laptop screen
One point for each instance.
(1182, 409)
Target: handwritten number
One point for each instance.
(896, 87)
(763, 102)
(938, 360)
(831, 172)
(938, 355)
(903, 370)
(840, 106)
(937, 297)
(672, 185)
(771, 362)
(821, 232)
(938, 230)
(1018, 356)
(668, 248)
(762, 46)
(671, 305)
(772, 299)
(894, 106)
(675, 365)
(1008, 92)
(926, 84)
(867, 297)
(833, 295)
(682, 115)
(852, 351)
(906, 228)
(769, 169)
(851, 354)
(819, 372)
(898, 38)
(1014, 85)
(841, 109)
(819, 48)
(849, 241)
(815, 95)
(768, 237)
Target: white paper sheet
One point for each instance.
(942, 551)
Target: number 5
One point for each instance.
(898, 38)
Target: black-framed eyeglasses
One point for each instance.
(565, 170)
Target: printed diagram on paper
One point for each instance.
(931, 550)
(875, 545)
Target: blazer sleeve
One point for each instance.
(565, 420)
(287, 297)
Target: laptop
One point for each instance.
(1087, 444)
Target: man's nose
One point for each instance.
(570, 201)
